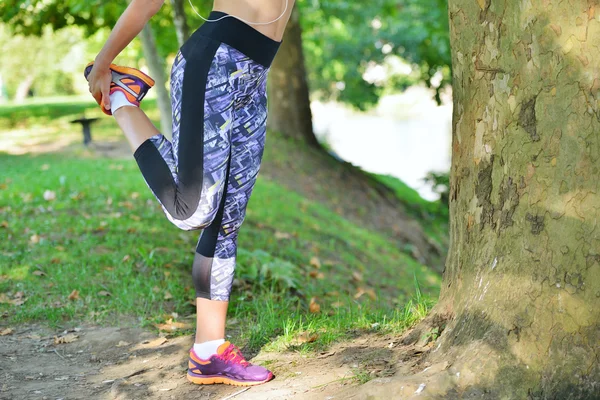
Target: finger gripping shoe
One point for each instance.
(133, 83)
(227, 366)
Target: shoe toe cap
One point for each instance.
(259, 373)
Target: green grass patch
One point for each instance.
(105, 237)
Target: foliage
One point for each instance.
(343, 39)
(440, 182)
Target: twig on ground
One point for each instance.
(235, 394)
(58, 354)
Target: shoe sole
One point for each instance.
(130, 71)
(227, 381)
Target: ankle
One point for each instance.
(206, 349)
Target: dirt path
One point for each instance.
(127, 363)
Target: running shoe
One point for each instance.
(133, 83)
(227, 366)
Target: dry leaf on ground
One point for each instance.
(315, 262)
(6, 331)
(168, 295)
(171, 326)
(146, 344)
(104, 293)
(39, 273)
(74, 295)
(357, 276)
(68, 338)
(282, 235)
(34, 239)
(305, 337)
(49, 195)
(314, 307)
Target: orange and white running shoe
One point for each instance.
(133, 83)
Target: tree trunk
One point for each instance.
(289, 103)
(181, 26)
(520, 300)
(157, 71)
(23, 89)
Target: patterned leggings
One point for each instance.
(203, 179)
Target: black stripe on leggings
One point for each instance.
(181, 201)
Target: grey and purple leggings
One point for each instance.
(204, 177)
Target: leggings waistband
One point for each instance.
(240, 36)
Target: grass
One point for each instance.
(102, 252)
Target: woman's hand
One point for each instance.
(99, 83)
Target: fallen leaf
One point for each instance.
(359, 293)
(45, 167)
(315, 262)
(156, 289)
(305, 337)
(4, 224)
(168, 296)
(49, 195)
(320, 275)
(59, 248)
(357, 276)
(74, 295)
(123, 344)
(6, 331)
(153, 343)
(4, 298)
(371, 293)
(39, 273)
(126, 258)
(127, 204)
(282, 235)
(167, 273)
(109, 201)
(173, 326)
(131, 230)
(68, 338)
(135, 195)
(35, 239)
(313, 274)
(314, 307)
(104, 293)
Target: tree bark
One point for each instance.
(157, 71)
(23, 88)
(520, 301)
(289, 102)
(181, 27)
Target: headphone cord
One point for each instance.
(243, 20)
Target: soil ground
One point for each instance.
(131, 364)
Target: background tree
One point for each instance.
(519, 311)
(180, 20)
(289, 105)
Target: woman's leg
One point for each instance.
(215, 258)
(187, 175)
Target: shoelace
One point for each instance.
(233, 354)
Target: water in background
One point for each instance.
(406, 136)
